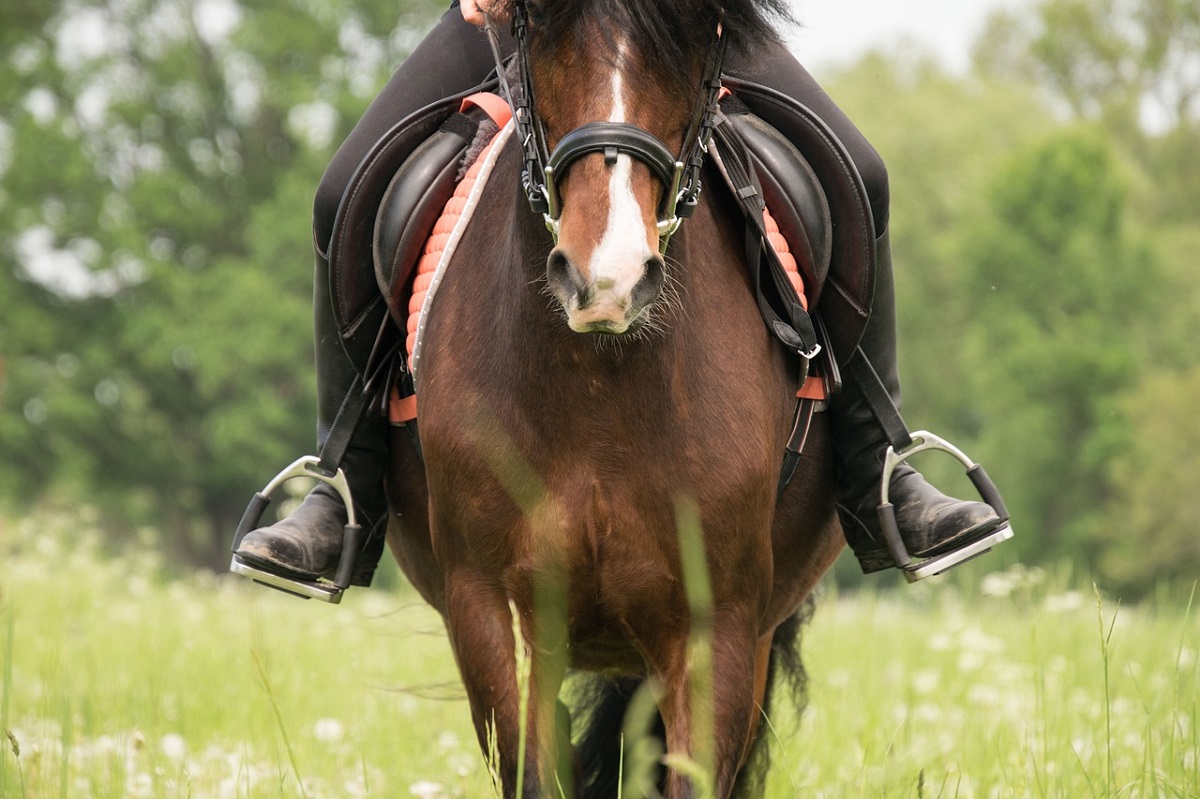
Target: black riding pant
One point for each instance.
(455, 56)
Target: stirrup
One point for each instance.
(324, 590)
(923, 440)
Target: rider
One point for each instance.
(454, 58)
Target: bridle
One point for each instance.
(679, 174)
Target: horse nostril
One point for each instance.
(653, 277)
(564, 279)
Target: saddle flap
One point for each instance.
(852, 234)
(357, 303)
(419, 202)
(793, 194)
(410, 207)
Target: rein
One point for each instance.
(680, 175)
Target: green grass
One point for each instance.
(119, 682)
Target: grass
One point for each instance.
(120, 682)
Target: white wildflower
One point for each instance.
(447, 741)
(173, 746)
(927, 681)
(1063, 603)
(329, 731)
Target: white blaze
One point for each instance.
(618, 261)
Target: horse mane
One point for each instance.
(667, 34)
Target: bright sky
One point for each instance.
(834, 31)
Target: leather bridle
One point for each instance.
(679, 174)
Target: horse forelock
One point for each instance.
(666, 35)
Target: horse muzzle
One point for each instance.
(614, 301)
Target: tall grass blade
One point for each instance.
(16, 750)
(1105, 640)
(265, 683)
(522, 672)
(493, 757)
(6, 687)
(698, 588)
(64, 780)
(641, 752)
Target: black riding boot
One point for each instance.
(307, 544)
(931, 524)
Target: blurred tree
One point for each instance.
(1066, 292)
(1132, 65)
(941, 137)
(157, 163)
(1152, 532)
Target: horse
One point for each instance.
(591, 399)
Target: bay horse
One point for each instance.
(585, 397)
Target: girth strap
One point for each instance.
(794, 451)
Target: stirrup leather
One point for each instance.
(324, 590)
(923, 441)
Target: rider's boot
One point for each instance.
(935, 528)
(307, 543)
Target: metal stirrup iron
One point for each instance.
(923, 441)
(902, 445)
(308, 466)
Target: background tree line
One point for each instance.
(158, 158)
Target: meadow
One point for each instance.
(122, 678)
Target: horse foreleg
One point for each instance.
(735, 691)
(502, 675)
(708, 706)
(480, 625)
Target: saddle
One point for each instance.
(814, 194)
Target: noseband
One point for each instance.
(679, 174)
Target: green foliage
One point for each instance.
(157, 164)
(941, 138)
(1128, 64)
(1153, 479)
(1063, 290)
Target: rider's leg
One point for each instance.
(307, 544)
(930, 522)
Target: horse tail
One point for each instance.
(786, 672)
(600, 705)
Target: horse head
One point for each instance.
(619, 89)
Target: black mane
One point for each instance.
(667, 34)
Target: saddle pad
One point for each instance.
(443, 241)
